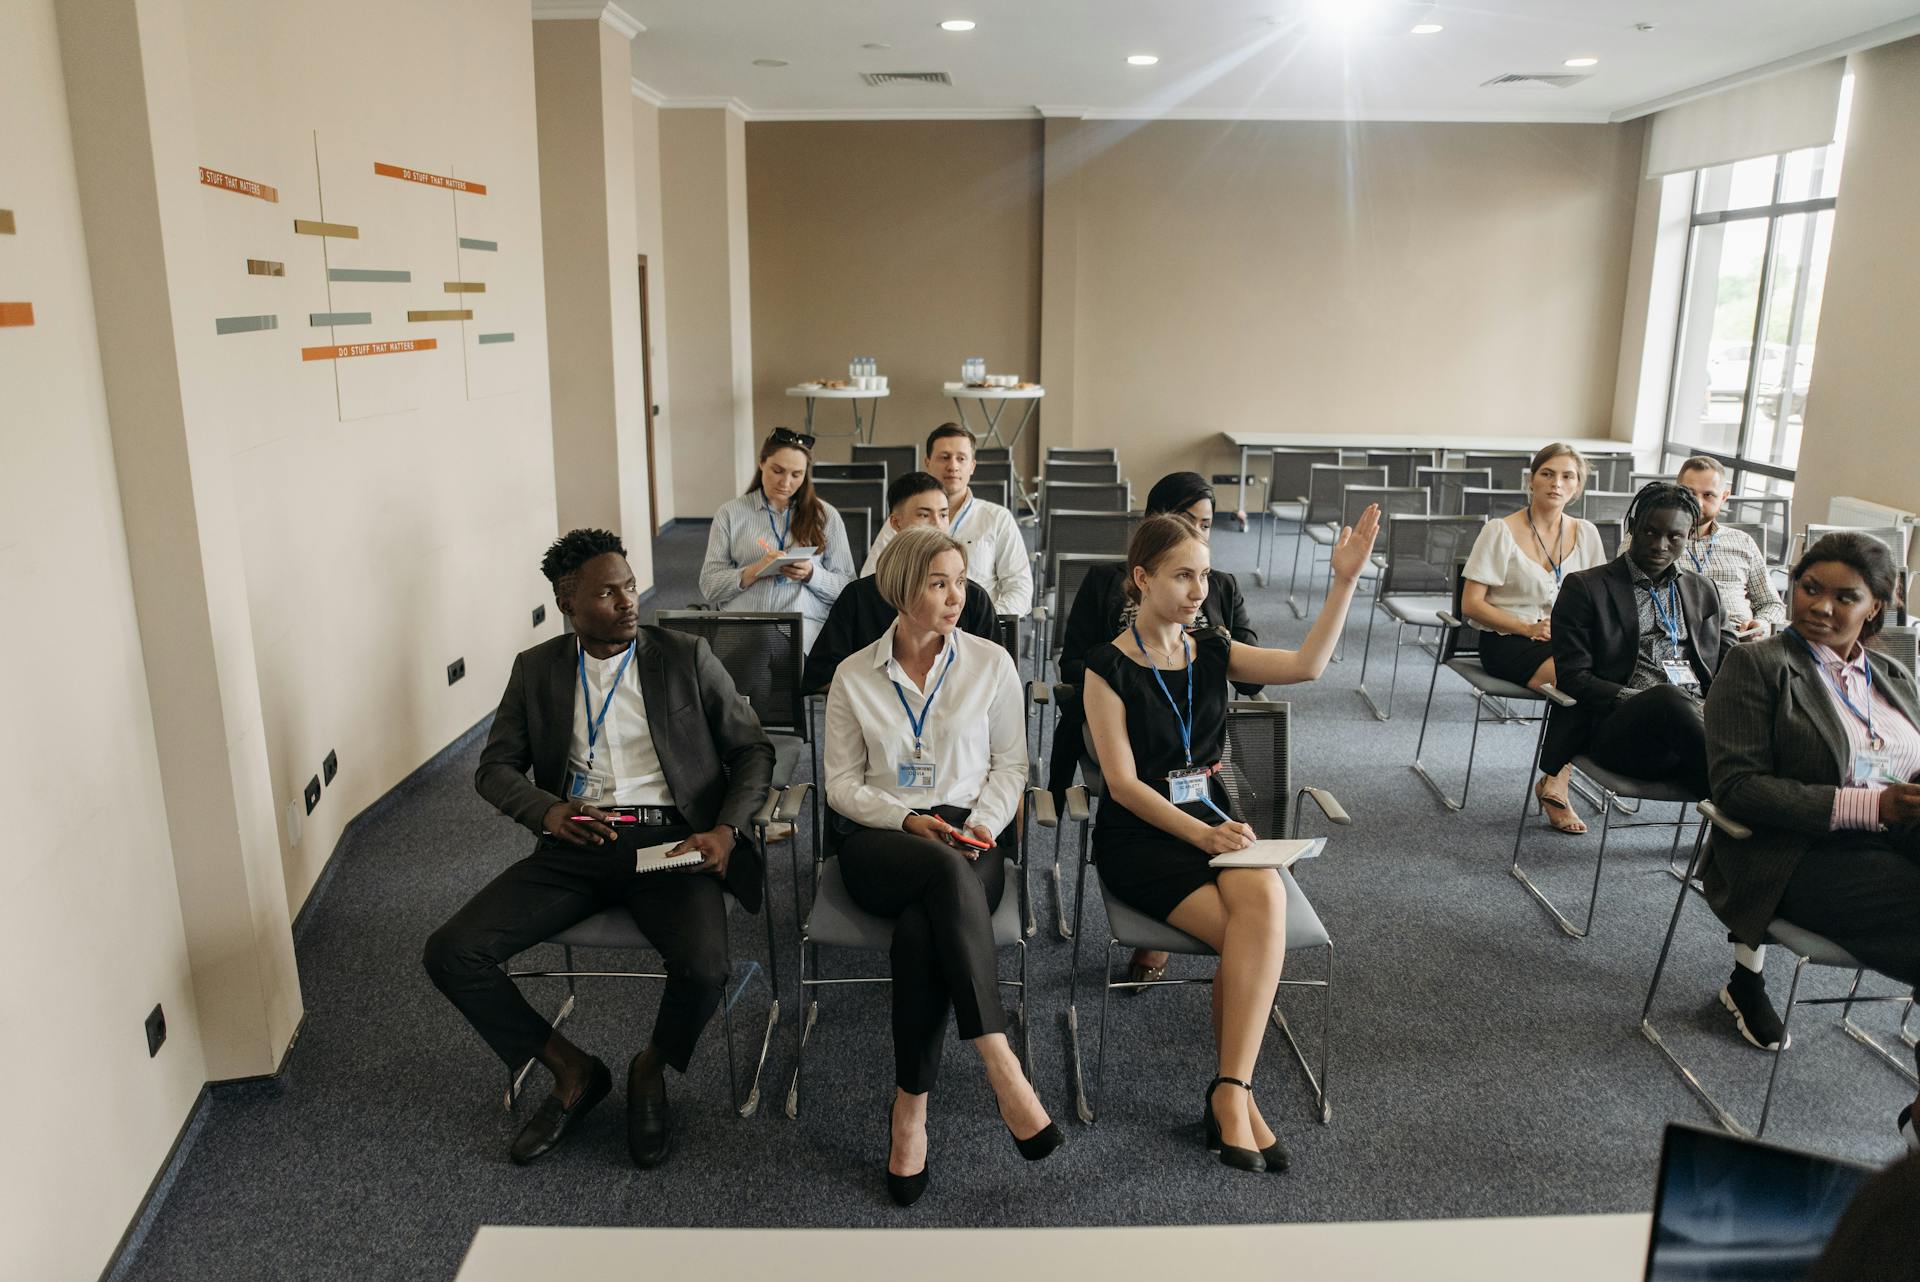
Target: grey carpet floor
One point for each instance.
(1484, 1063)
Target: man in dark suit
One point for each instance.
(1636, 643)
(636, 738)
(859, 616)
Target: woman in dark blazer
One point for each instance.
(1813, 742)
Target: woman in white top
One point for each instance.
(926, 757)
(1513, 577)
(779, 511)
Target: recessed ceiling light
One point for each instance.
(1141, 59)
(876, 44)
(769, 62)
(1428, 29)
(957, 24)
(1582, 62)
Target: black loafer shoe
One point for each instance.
(647, 1138)
(551, 1121)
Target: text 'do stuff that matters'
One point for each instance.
(343, 351)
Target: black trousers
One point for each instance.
(942, 906)
(1660, 733)
(1862, 891)
(682, 915)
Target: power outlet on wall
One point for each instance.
(456, 670)
(156, 1031)
(539, 615)
(313, 793)
(330, 767)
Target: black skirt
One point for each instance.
(1513, 658)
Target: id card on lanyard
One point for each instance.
(780, 533)
(1873, 763)
(1190, 784)
(1678, 671)
(917, 771)
(590, 784)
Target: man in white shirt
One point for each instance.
(996, 553)
(636, 738)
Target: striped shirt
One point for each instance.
(1859, 807)
(1738, 569)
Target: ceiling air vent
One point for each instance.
(1538, 79)
(877, 78)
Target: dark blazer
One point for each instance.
(1101, 604)
(858, 618)
(1776, 753)
(718, 763)
(1596, 642)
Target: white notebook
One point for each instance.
(654, 858)
(1271, 854)
(793, 556)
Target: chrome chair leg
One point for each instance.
(1082, 1105)
(1786, 1038)
(1419, 768)
(1599, 862)
(1318, 1083)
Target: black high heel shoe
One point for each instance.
(1241, 1159)
(905, 1190)
(1041, 1143)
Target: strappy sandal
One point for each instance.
(1559, 813)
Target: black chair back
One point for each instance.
(1477, 501)
(1775, 511)
(859, 523)
(991, 491)
(1612, 534)
(1002, 472)
(1070, 571)
(898, 459)
(1099, 533)
(1067, 454)
(868, 494)
(1611, 472)
(1601, 505)
(761, 652)
(1084, 496)
(1105, 471)
(1326, 487)
(1499, 462)
(850, 472)
(1394, 500)
(1399, 463)
(992, 454)
(1422, 552)
(1291, 470)
(1447, 485)
(1256, 765)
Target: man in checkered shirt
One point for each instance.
(1729, 557)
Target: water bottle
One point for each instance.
(853, 368)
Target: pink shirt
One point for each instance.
(1860, 807)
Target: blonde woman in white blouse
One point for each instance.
(926, 758)
(1513, 577)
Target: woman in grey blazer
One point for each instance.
(1813, 742)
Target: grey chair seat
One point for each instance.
(787, 751)
(1419, 611)
(612, 927)
(1323, 534)
(838, 921)
(1476, 676)
(1817, 949)
(1628, 786)
(1135, 929)
(1287, 511)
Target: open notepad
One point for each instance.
(654, 858)
(793, 556)
(1271, 854)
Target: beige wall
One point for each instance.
(650, 240)
(88, 902)
(1863, 410)
(914, 242)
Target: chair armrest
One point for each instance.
(1039, 692)
(793, 800)
(1448, 619)
(1725, 822)
(1041, 809)
(1329, 805)
(1079, 808)
(1559, 696)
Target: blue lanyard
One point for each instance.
(1699, 565)
(1865, 718)
(1560, 533)
(1669, 617)
(919, 723)
(1186, 722)
(586, 696)
(780, 535)
(953, 526)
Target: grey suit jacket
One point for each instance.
(717, 760)
(1776, 753)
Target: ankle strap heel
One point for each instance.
(1242, 1159)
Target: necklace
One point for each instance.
(1147, 649)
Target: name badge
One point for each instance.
(1184, 786)
(589, 785)
(1870, 767)
(914, 774)
(1680, 673)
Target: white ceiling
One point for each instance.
(1304, 59)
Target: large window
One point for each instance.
(1750, 311)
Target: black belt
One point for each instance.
(653, 816)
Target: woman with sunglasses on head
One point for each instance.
(779, 513)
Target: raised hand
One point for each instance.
(1355, 544)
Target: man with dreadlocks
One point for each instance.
(1636, 643)
(636, 737)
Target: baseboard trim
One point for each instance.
(684, 520)
(149, 1209)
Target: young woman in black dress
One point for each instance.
(1156, 706)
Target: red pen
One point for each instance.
(607, 819)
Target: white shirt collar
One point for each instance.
(883, 648)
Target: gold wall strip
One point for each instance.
(265, 267)
(12, 314)
(6, 222)
(464, 313)
(466, 287)
(341, 231)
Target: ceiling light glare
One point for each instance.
(1141, 59)
(1582, 62)
(1342, 13)
(1428, 29)
(957, 24)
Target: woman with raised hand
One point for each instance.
(1156, 706)
(926, 758)
(779, 513)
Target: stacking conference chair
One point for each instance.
(1459, 653)
(996, 454)
(1611, 472)
(993, 471)
(1099, 472)
(1083, 496)
(991, 491)
(868, 493)
(850, 472)
(1288, 472)
(1399, 463)
(859, 522)
(1416, 585)
(898, 459)
(1501, 463)
(1600, 505)
(1637, 481)
(1476, 501)
(1256, 769)
(1808, 949)
(1394, 500)
(1073, 454)
(613, 930)
(1899, 642)
(1326, 504)
(1775, 511)
(1068, 531)
(834, 921)
(1894, 536)
(1612, 535)
(1448, 486)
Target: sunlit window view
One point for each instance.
(1756, 266)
